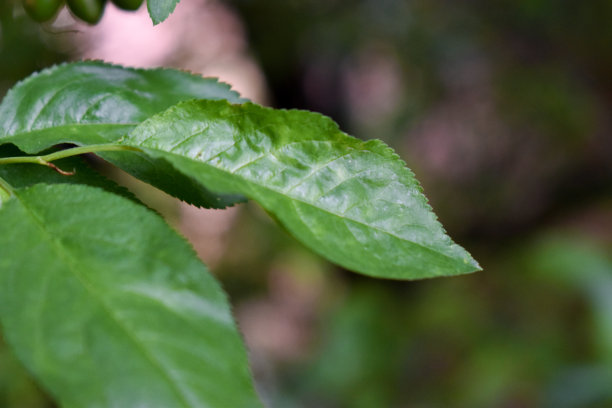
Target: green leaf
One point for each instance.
(159, 10)
(354, 202)
(164, 176)
(93, 102)
(109, 307)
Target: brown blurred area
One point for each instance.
(502, 110)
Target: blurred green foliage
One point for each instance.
(503, 110)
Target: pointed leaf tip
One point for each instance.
(160, 10)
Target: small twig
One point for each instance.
(60, 171)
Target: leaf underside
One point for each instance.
(109, 307)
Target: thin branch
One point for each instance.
(74, 151)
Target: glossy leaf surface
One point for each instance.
(354, 202)
(93, 102)
(109, 307)
(159, 10)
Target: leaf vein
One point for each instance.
(72, 266)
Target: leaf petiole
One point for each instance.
(46, 160)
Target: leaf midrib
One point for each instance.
(71, 262)
(291, 198)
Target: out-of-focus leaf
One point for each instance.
(159, 10)
(583, 264)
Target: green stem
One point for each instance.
(74, 151)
